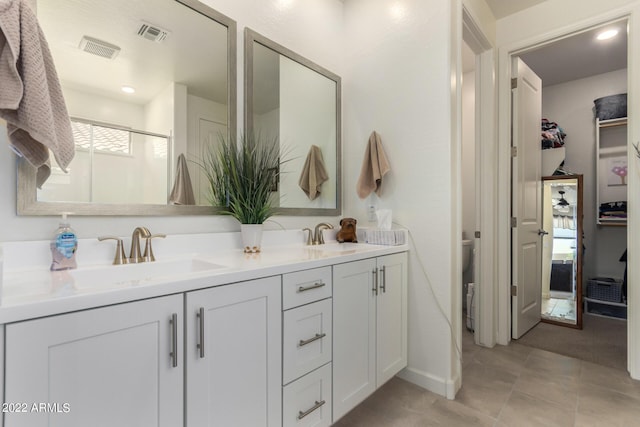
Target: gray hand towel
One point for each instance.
(374, 167)
(31, 99)
(314, 173)
(182, 191)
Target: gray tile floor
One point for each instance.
(511, 385)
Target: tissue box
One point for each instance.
(385, 237)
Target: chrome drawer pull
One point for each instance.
(302, 414)
(174, 339)
(314, 286)
(200, 315)
(375, 281)
(310, 340)
(383, 284)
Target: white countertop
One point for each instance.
(30, 290)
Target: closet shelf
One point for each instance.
(622, 121)
(621, 150)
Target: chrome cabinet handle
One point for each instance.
(375, 281)
(314, 286)
(310, 340)
(302, 414)
(383, 282)
(174, 339)
(200, 315)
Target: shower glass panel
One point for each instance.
(112, 165)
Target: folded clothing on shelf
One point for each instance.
(613, 209)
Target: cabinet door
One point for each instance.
(110, 366)
(236, 379)
(354, 343)
(391, 313)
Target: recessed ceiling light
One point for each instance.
(606, 35)
(127, 89)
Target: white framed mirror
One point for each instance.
(179, 56)
(296, 102)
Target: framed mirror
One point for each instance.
(297, 103)
(144, 82)
(562, 250)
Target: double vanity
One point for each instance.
(295, 335)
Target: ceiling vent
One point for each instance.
(153, 32)
(99, 47)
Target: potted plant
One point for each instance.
(241, 179)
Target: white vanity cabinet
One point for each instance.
(114, 366)
(233, 355)
(279, 345)
(370, 327)
(307, 348)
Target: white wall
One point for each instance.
(571, 106)
(102, 109)
(397, 82)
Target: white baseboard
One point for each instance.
(438, 385)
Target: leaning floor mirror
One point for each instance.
(147, 84)
(296, 103)
(562, 250)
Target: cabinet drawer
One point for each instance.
(307, 339)
(307, 401)
(303, 287)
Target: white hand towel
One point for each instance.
(31, 99)
(314, 173)
(374, 167)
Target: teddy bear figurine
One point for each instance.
(347, 231)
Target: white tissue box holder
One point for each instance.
(385, 237)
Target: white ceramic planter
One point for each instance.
(251, 237)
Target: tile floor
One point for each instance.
(562, 309)
(511, 385)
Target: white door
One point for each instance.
(105, 367)
(235, 377)
(527, 198)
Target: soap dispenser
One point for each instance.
(63, 247)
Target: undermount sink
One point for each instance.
(131, 273)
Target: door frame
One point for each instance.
(505, 53)
(485, 247)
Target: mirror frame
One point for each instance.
(251, 37)
(579, 248)
(26, 198)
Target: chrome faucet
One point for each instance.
(318, 238)
(135, 255)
